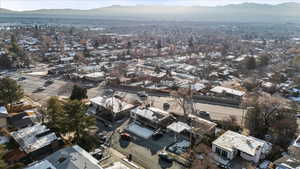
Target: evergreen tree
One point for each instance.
(10, 92)
(5, 62)
(54, 113)
(78, 93)
(76, 119)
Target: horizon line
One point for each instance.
(149, 5)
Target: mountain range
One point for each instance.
(245, 12)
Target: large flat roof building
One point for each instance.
(231, 143)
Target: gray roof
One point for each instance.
(41, 165)
(151, 113)
(220, 89)
(33, 138)
(112, 103)
(73, 158)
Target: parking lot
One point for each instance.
(145, 152)
(59, 87)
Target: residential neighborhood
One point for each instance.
(148, 95)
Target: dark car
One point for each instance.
(203, 114)
(48, 83)
(298, 115)
(22, 78)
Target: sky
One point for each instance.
(89, 4)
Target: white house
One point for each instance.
(227, 91)
(110, 108)
(231, 144)
(95, 77)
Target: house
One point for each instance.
(109, 108)
(201, 126)
(95, 77)
(68, 158)
(22, 120)
(291, 160)
(195, 127)
(35, 140)
(3, 117)
(231, 144)
(224, 91)
(151, 116)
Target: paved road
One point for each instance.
(217, 112)
(58, 88)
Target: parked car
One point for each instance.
(126, 136)
(298, 115)
(142, 94)
(88, 85)
(203, 114)
(48, 83)
(22, 78)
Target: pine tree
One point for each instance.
(10, 92)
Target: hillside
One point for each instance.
(246, 12)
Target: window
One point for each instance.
(224, 154)
(218, 150)
(221, 152)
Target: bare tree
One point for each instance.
(184, 99)
(271, 115)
